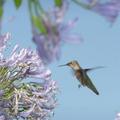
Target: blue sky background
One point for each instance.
(101, 47)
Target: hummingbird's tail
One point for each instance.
(89, 83)
(91, 86)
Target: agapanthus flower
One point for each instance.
(117, 116)
(110, 9)
(57, 32)
(3, 40)
(21, 99)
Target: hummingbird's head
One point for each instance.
(73, 64)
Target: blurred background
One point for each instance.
(100, 47)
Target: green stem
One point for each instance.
(38, 8)
(1, 13)
(37, 14)
(30, 9)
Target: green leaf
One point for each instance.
(1, 11)
(1, 7)
(8, 94)
(17, 3)
(3, 71)
(39, 24)
(5, 84)
(58, 3)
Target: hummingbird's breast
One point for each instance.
(79, 76)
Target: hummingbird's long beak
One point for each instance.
(62, 65)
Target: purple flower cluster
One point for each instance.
(21, 99)
(117, 116)
(49, 44)
(110, 9)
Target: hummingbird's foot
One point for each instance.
(53, 114)
(79, 86)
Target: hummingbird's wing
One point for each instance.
(89, 83)
(94, 68)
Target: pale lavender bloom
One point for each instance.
(20, 99)
(38, 105)
(27, 112)
(49, 44)
(110, 10)
(59, 12)
(3, 39)
(2, 117)
(117, 116)
(29, 61)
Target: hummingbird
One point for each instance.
(81, 75)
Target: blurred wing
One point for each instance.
(90, 85)
(94, 68)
